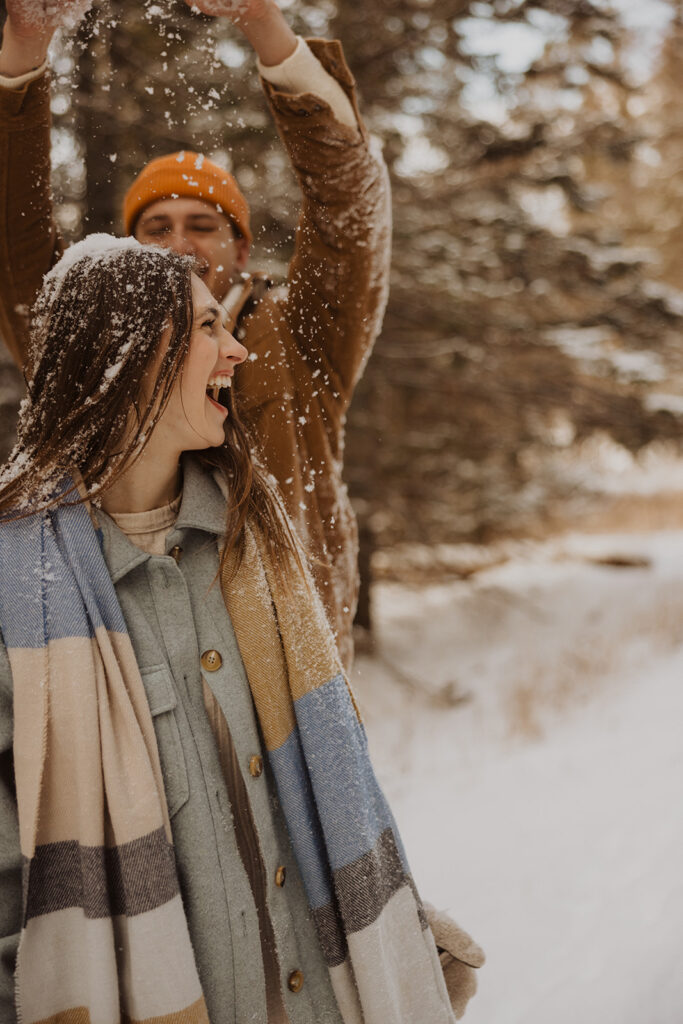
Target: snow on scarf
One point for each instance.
(104, 929)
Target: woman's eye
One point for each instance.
(208, 323)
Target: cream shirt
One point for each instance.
(148, 530)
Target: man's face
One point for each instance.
(196, 228)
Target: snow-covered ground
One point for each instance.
(527, 726)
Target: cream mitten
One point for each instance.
(459, 955)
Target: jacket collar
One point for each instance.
(236, 298)
(202, 508)
(242, 297)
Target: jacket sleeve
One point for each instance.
(338, 278)
(10, 855)
(29, 242)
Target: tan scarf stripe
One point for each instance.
(30, 740)
(195, 1014)
(97, 715)
(260, 645)
(129, 711)
(311, 655)
(346, 993)
(79, 1015)
(288, 654)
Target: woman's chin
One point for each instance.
(217, 436)
(220, 409)
(210, 436)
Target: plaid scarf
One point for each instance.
(104, 936)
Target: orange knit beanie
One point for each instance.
(186, 175)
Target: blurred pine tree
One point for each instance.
(533, 195)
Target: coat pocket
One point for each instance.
(163, 703)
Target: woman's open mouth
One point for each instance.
(221, 382)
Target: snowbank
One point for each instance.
(536, 771)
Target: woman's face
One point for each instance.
(193, 419)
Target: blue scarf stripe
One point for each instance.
(21, 545)
(329, 750)
(81, 547)
(65, 583)
(303, 824)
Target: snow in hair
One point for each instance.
(126, 329)
(94, 248)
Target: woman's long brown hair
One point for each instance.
(95, 337)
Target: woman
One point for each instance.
(170, 869)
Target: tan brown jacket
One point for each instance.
(308, 340)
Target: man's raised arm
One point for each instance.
(29, 242)
(339, 275)
(338, 278)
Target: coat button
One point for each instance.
(256, 766)
(280, 876)
(211, 661)
(176, 553)
(295, 981)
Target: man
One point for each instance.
(308, 341)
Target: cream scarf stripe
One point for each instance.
(104, 935)
(382, 958)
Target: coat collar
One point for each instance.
(202, 508)
(241, 298)
(236, 298)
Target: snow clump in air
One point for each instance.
(217, 8)
(49, 13)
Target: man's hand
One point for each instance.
(261, 21)
(29, 28)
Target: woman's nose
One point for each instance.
(233, 349)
